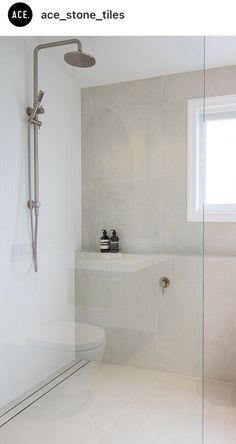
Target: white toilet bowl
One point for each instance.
(90, 342)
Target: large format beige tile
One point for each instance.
(111, 404)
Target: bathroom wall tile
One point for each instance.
(180, 236)
(89, 215)
(132, 144)
(173, 139)
(114, 203)
(133, 208)
(114, 95)
(220, 318)
(138, 131)
(101, 289)
(173, 204)
(109, 156)
(118, 300)
(135, 155)
(143, 326)
(187, 85)
(133, 347)
(122, 144)
(220, 238)
(221, 81)
(177, 234)
(88, 146)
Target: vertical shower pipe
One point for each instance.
(36, 204)
(36, 157)
(35, 95)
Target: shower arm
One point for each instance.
(45, 46)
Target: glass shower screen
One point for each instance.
(105, 347)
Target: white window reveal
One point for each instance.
(212, 159)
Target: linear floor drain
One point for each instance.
(16, 408)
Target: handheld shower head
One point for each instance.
(40, 96)
(32, 112)
(79, 59)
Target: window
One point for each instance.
(212, 159)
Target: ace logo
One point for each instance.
(20, 14)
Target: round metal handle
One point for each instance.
(164, 282)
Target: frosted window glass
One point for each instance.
(221, 161)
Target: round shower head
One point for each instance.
(79, 59)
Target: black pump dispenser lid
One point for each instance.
(114, 236)
(104, 235)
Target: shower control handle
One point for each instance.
(164, 283)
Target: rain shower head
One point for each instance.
(79, 59)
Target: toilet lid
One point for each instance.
(61, 335)
(89, 336)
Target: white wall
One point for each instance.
(31, 304)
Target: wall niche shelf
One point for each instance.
(119, 262)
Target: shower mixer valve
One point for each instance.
(164, 282)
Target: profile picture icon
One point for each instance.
(20, 14)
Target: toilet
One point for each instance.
(90, 342)
(87, 341)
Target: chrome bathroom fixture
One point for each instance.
(78, 59)
(164, 283)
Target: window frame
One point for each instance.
(198, 112)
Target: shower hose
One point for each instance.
(34, 211)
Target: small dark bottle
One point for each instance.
(114, 242)
(104, 242)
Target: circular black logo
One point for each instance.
(20, 14)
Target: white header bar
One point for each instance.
(123, 17)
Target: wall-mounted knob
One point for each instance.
(164, 283)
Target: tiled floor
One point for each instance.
(111, 404)
(220, 413)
